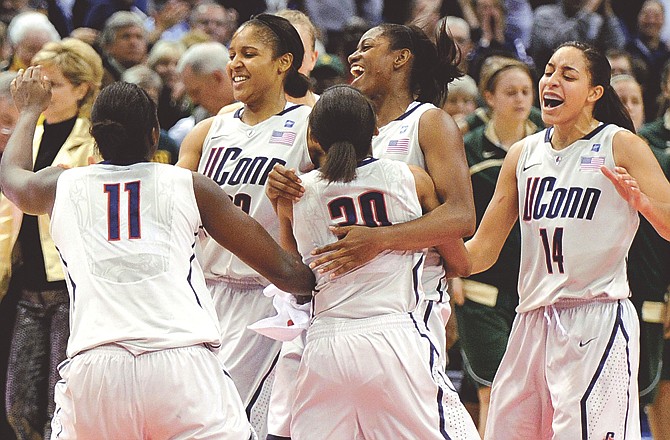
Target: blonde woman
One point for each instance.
(41, 329)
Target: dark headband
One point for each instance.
(287, 36)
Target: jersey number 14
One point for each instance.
(553, 249)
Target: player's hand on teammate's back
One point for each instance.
(356, 246)
(283, 182)
(31, 90)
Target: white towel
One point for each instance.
(291, 318)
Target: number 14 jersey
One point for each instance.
(575, 228)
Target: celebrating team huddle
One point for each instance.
(361, 206)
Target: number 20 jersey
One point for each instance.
(383, 193)
(576, 229)
(239, 158)
(126, 236)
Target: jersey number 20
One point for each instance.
(113, 191)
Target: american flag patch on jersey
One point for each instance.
(591, 163)
(398, 146)
(282, 137)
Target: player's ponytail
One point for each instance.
(433, 66)
(123, 121)
(340, 162)
(342, 122)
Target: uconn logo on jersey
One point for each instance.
(544, 199)
(248, 170)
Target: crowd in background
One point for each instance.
(177, 50)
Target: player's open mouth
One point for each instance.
(552, 102)
(356, 71)
(239, 78)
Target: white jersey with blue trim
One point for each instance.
(399, 140)
(239, 158)
(575, 228)
(126, 237)
(383, 193)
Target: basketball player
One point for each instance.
(126, 231)
(370, 368)
(389, 65)
(237, 150)
(414, 131)
(572, 359)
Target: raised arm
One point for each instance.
(453, 252)
(191, 147)
(639, 179)
(499, 217)
(246, 238)
(32, 193)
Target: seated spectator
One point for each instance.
(124, 44)
(26, 35)
(647, 47)
(173, 104)
(150, 82)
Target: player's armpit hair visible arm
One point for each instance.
(456, 258)
(191, 147)
(32, 193)
(640, 180)
(500, 216)
(248, 240)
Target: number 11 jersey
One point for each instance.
(575, 228)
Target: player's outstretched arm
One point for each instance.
(639, 179)
(499, 217)
(246, 238)
(456, 259)
(31, 192)
(283, 183)
(191, 147)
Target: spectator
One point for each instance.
(588, 21)
(150, 82)
(630, 94)
(203, 71)
(10, 222)
(459, 30)
(214, 20)
(99, 11)
(494, 37)
(647, 47)
(124, 44)
(462, 98)
(173, 104)
(26, 34)
(42, 321)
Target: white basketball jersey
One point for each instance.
(575, 228)
(383, 193)
(126, 237)
(399, 140)
(239, 158)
